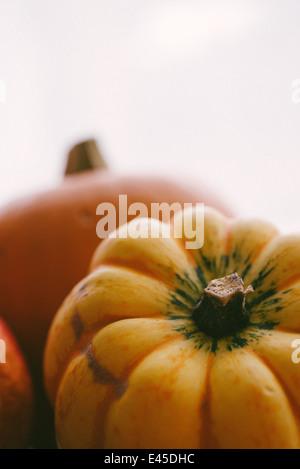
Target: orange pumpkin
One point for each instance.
(15, 393)
(161, 346)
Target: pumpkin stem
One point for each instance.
(221, 311)
(84, 156)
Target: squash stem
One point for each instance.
(221, 311)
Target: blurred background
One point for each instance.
(208, 90)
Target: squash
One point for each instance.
(161, 346)
(15, 393)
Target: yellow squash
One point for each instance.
(164, 347)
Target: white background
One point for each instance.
(191, 88)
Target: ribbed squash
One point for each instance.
(161, 347)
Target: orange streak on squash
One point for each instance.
(210, 441)
(288, 282)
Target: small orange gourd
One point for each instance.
(15, 393)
